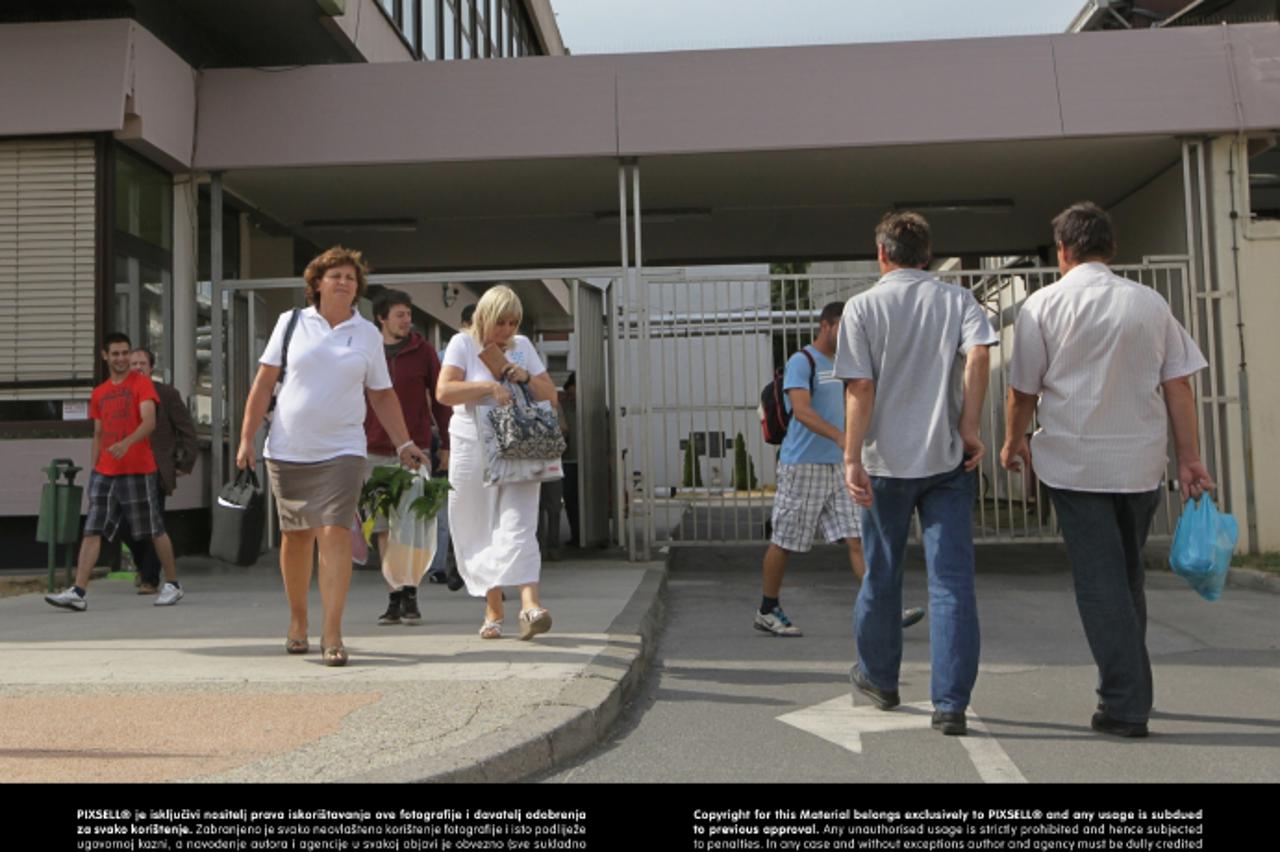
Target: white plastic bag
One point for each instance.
(411, 542)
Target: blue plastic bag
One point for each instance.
(1202, 546)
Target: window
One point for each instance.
(482, 28)
(448, 28)
(409, 23)
(430, 32)
(1264, 184)
(204, 297)
(142, 286)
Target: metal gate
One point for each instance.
(696, 351)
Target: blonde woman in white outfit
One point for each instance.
(494, 527)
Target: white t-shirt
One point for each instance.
(1096, 347)
(464, 353)
(320, 409)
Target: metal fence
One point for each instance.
(694, 353)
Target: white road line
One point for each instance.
(988, 756)
(839, 721)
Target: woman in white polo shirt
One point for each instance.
(493, 527)
(316, 445)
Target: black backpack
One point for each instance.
(774, 417)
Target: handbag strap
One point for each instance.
(247, 477)
(524, 389)
(284, 366)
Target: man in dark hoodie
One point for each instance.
(414, 367)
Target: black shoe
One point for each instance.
(438, 579)
(1104, 724)
(883, 699)
(409, 605)
(392, 615)
(951, 724)
(912, 615)
(454, 579)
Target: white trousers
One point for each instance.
(494, 527)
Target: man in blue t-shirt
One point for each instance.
(811, 491)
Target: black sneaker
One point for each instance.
(1104, 724)
(392, 615)
(912, 615)
(884, 699)
(409, 605)
(951, 724)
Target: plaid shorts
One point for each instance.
(809, 496)
(135, 496)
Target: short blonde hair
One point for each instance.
(332, 259)
(497, 303)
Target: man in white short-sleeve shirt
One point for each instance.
(1106, 359)
(913, 353)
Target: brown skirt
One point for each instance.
(316, 494)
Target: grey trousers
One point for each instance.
(1104, 533)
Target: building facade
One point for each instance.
(105, 224)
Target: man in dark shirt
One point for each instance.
(414, 367)
(173, 443)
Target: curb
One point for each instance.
(579, 718)
(1251, 578)
(1237, 578)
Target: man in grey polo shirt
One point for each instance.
(1106, 360)
(913, 354)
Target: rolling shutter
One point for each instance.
(47, 252)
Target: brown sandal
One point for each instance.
(335, 655)
(296, 646)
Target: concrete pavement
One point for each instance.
(203, 691)
(750, 707)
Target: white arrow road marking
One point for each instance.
(841, 722)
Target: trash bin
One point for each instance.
(60, 512)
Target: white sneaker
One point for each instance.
(776, 622)
(169, 595)
(68, 599)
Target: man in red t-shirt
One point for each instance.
(124, 481)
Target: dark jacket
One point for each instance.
(414, 371)
(174, 440)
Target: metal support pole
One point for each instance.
(619, 327)
(217, 426)
(646, 427)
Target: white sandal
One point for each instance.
(491, 630)
(534, 621)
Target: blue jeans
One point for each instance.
(945, 503)
(439, 562)
(1104, 534)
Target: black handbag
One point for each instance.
(239, 518)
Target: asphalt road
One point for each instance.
(727, 703)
